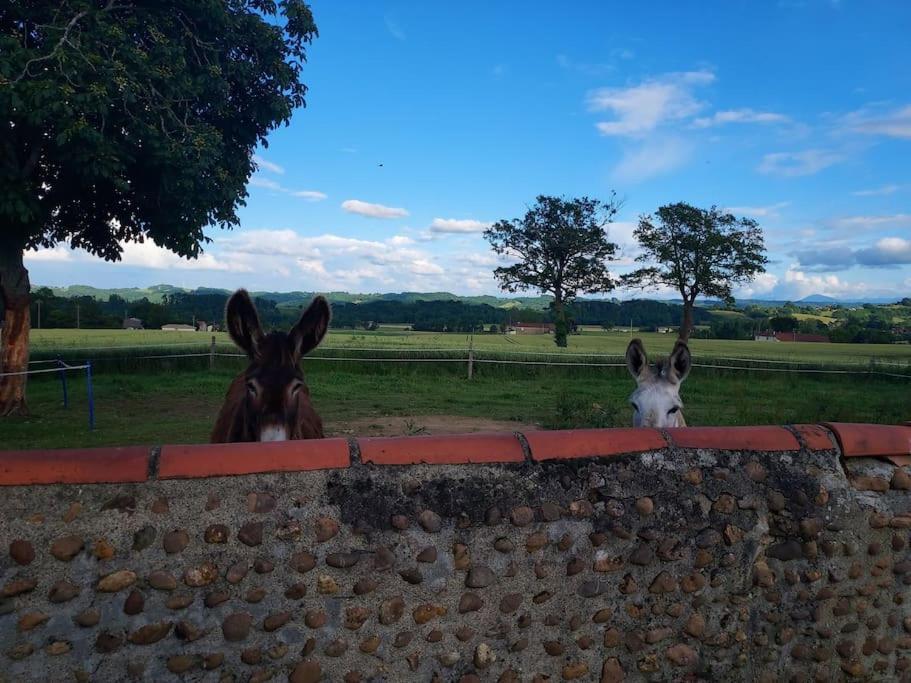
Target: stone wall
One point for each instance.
(754, 554)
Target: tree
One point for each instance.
(561, 247)
(123, 121)
(784, 323)
(698, 252)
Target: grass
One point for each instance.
(180, 406)
(828, 320)
(155, 401)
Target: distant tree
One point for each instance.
(812, 326)
(561, 247)
(784, 323)
(698, 252)
(126, 121)
(755, 312)
(731, 328)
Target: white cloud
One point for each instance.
(310, 195)
(761, 285)
(797, 284)
(266, 183)
(269, 184)
(425, 267)
(851, 224)
(653, 158)
(395, 30)
(149, 255)
(143, 255)
(482, 259)
(885, 252)
(458, 225)
(400, 240)
(640, 109)
(739, 116)
(803, 284)
(792, 164)
(757, 211)
(876, 121)
(372, 210)
(59, 254)
(591, 69)
(878, 191)
(888, 251)
(287, 243)
(268, 165)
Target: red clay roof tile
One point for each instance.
(734, 438)
(586, 443)
(815, 437)
(218, 460)
(858, 440)
(74, 466)
(441, 450)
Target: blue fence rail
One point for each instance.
(61, 368)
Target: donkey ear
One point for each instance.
(309, 331)
(243, 322)
(636, 360)
(680, 362)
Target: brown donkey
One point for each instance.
(270, 401)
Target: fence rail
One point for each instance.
(60, 370)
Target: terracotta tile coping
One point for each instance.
(138, 463)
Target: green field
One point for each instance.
(155, 401)
(81, 343)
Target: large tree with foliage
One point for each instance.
(123, 120)
(698, 252)
(561, 247)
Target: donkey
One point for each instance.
(656, 400)
(270, 401)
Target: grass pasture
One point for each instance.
(142, 400)
(97, 343)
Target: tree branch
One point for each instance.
(64, 40)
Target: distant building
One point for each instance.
(132, 324)
(664, 330)
(767, 335)
(178, 328)
(533, 328)
(202, 326)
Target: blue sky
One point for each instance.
(795, 113)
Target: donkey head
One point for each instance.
(656, 400)
(276, 398)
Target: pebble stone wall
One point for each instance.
(747, 554)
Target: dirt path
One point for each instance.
(422, 424)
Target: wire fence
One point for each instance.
(144, 358)
(474, 357)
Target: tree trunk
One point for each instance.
(14, 304)
(687, 326)
(561, 328)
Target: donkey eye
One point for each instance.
(673, 410)
(251, 388)
(296, 387)
(635, 407)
